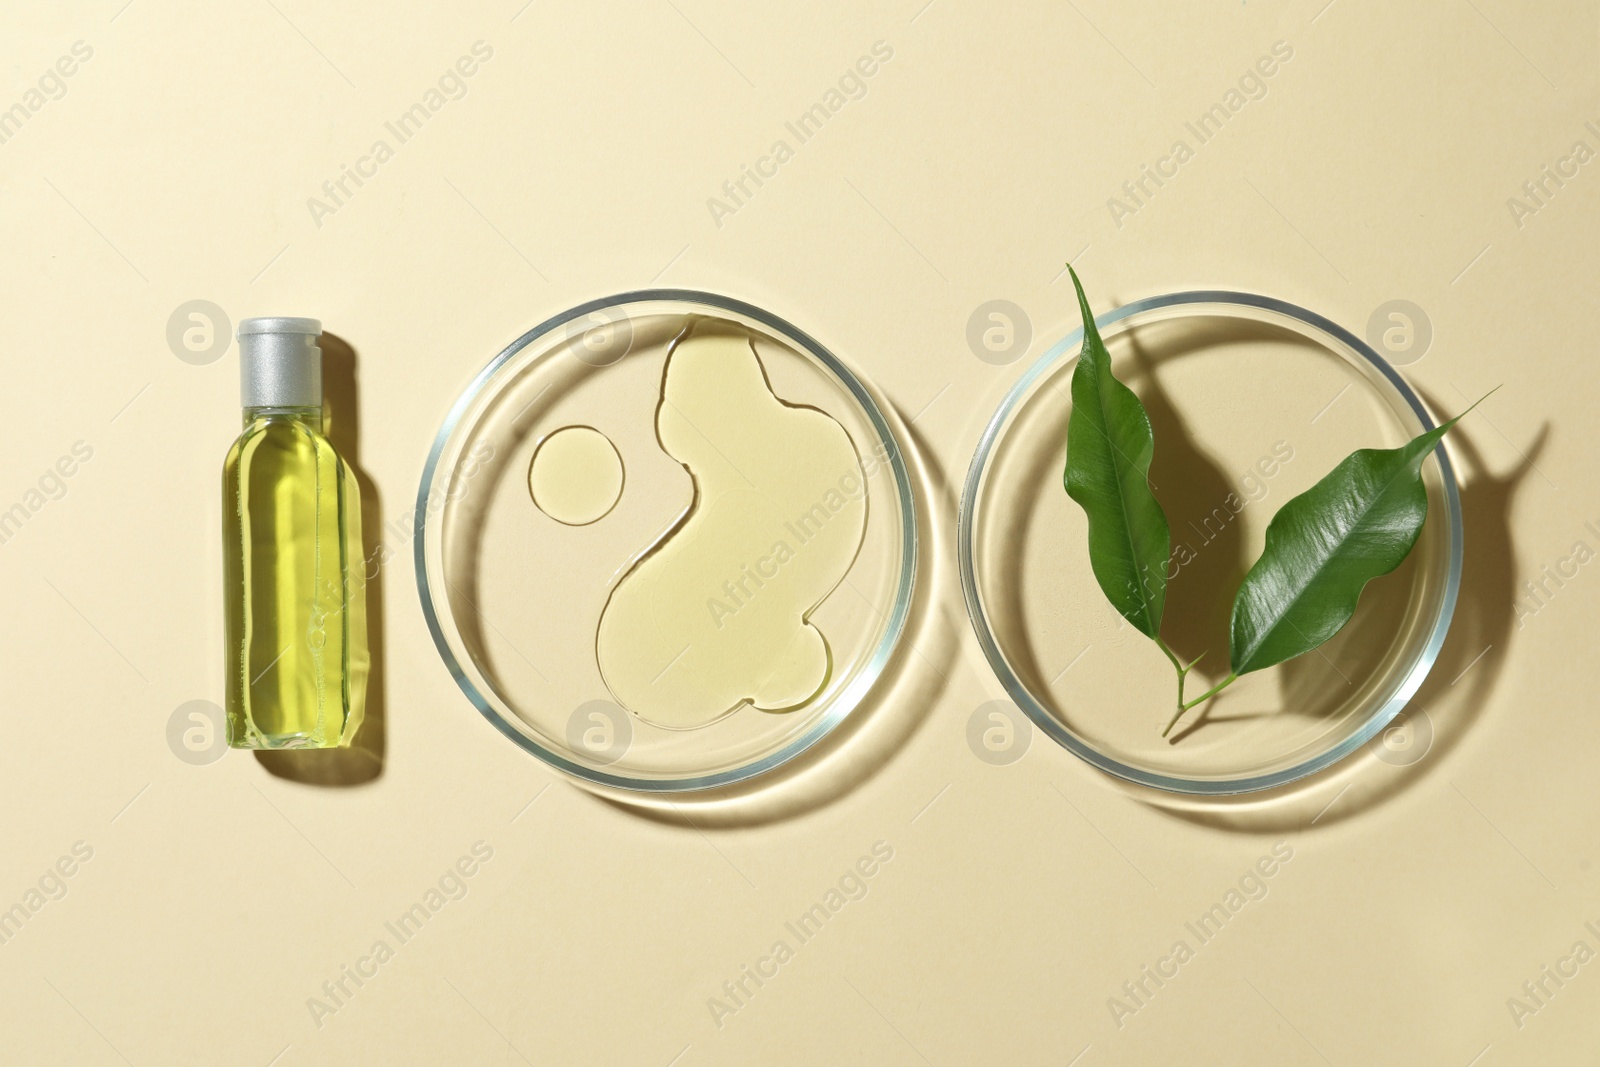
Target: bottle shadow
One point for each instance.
(1442, 711)
(879, 727)
(363, 760)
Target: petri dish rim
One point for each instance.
(847, 700)
(1380, 716)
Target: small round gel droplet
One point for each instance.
(576, 475)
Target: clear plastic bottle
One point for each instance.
(296, 626)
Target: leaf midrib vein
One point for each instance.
(1122, 497)
(1312, 574)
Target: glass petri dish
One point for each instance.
(551, 487)
(1273, 396)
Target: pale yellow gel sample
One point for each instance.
(576, 475)
(714, 615)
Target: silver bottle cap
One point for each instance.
(280, 363)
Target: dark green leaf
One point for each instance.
(1324, 546)
(1109, 447)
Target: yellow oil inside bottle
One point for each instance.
(296, 625)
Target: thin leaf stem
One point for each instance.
(1176, 715)
(1183, 673)
(1176, 665)
(1213, 691)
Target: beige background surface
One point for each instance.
(177, 165)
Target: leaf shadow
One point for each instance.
(1319, 682)
(1208, 550)
(1482, 633)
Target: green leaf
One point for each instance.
(1109, 448)
(1325, 545)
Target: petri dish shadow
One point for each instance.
(1481, 637)
(878, 728)
(363, 761)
